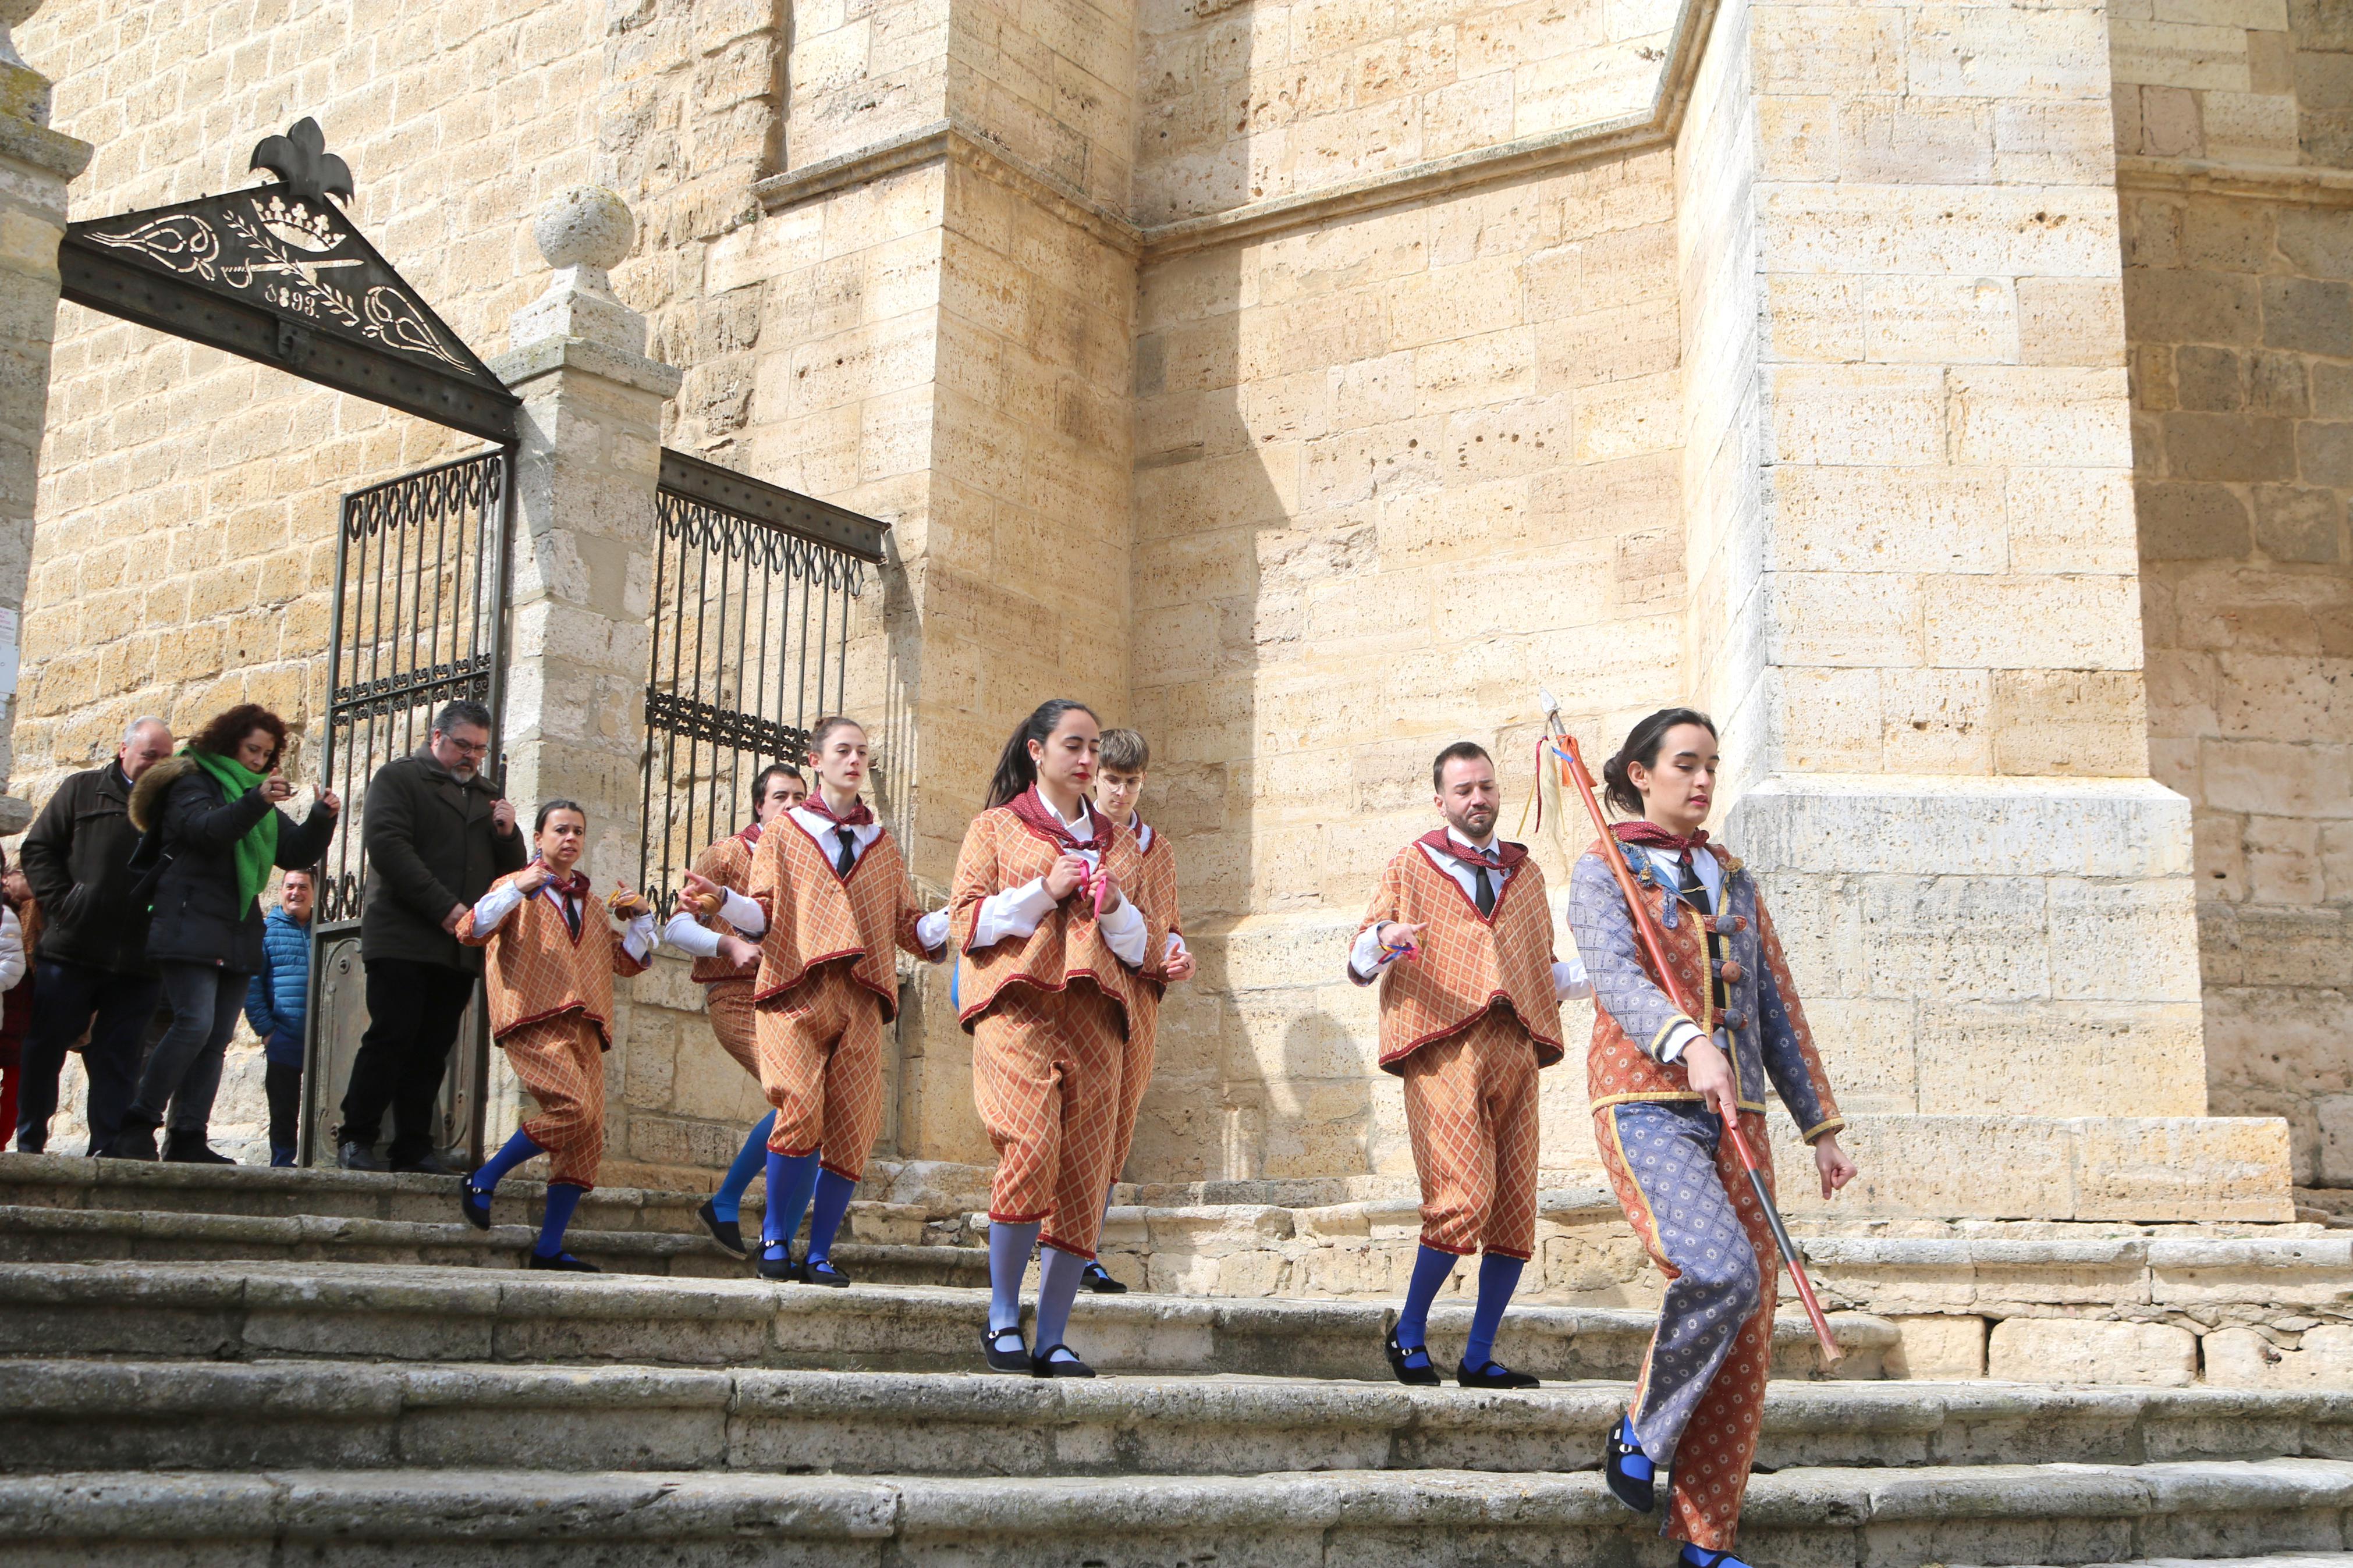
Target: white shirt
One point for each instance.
(1143, 837)
(1367, 958)
(1017, 912)
(690, 935)
(1667, 864)
(491, 911)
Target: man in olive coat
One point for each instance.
(91, 970)
(437, 834)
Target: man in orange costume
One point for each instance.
(1459, 939)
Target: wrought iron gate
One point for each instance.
(752, 586)
(422, 565)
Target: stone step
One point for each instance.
(212, 1416)
(244, 1312)
(2000, 1514)
(2296, 1560)
(29, 1234)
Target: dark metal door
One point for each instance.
(422, 568)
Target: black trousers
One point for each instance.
(183, 1071)
(413, 1014)
(67, 998)
(282, 1082)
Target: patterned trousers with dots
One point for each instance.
(1700, 1396)
(820, 1050)
(1471, 1115)
(733, 1019)
(1047, 1069)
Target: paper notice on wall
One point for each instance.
(7, 651)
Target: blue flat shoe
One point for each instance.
(1701, 1557)
(1633, 1479)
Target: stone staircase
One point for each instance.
(217, 1365)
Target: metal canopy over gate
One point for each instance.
(752, 590)
(278, 274)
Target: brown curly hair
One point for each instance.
(222, 734)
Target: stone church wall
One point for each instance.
(2235, 127)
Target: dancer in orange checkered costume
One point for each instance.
(1459, 938)
(1119, 793)
(1662, 1084)
(552, 955)
(1052, 947)
(723, 967)
(829, 903)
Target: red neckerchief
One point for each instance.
(751, 836)
(1651, 836)
(856, 816)
(576, 885)
(1039, 818)
(1499, 855)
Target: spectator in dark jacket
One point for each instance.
(437, 834)
(20, 927)
(211, 834)
(90, 969)
(277, 1001)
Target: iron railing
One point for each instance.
(421, 569)
(753, 587)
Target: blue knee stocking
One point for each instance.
(1008, 1263)
(1498, 1275)
(563, 1198)
(1431, 1269)
(752, 1158)
(1058, 1287)
(832, 1202)
(790, 1182)
(518, 1149)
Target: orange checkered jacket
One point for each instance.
(1156, 896)
(816, 915)
(535, 969)
(1633, 1015)
(728, 863)
(1466, 964)
(999, 853)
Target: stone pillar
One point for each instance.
(587, 473)
(36, 165)
(1916, 603)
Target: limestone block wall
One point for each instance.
(2238, 220)
(1392, 474)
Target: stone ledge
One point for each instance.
(521, 366)
(2008, 1513)
(68, 1415)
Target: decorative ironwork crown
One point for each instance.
(301, 159)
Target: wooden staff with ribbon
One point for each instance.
(1563, 747)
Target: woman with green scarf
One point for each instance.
(213, 831)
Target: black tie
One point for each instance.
(849, 856)
(1483, 889)
(1696, 892)
(572, 915)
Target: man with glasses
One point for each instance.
(437, 834)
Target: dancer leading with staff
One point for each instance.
(1661, 1085)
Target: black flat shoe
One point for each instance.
(1043, 1364)
(1422, 1376)
(358, 1157)
(782, 1269)
(1633, 1479)
(1094, 1277)
(562, 1263)
(183, 1149)
(822, 1273)
(1494, 1374)
(725, 1232)
(131, 1143)
(1000, 1359)
(475, 1205)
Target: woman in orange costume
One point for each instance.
(1053, 947)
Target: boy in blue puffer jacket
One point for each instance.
(277, 1001)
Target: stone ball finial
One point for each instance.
(17, 13)
(586, 226)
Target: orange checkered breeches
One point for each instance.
(1047, 1075)
(1470, 1112)
(729, 1004)
(561, 1060)
(821, 1052)
(1135, 1073)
